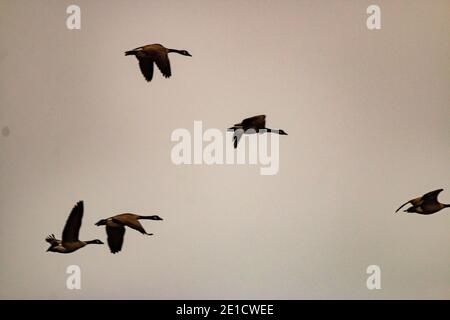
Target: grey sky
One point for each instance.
(367, 115)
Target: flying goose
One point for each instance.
(156, 53)
(70, 241)
(253, 124)
(426, 204)
(115, 228)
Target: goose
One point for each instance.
(253, 124)
(426, 204)
(115, 228)
(70, 241)
(154, 53)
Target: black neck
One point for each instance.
(175, 50)
(273, 130)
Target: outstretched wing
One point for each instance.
(254, 122)
(414, 202)
(402, 206)
(115, 238)
(237, 136)
(146, 66)
(73, 224)
(163, 63)
(432, 196)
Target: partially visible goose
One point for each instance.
(252, 125)
(154, 53)
(426, 204)
(70, 241)
(115, 228)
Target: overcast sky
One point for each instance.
(367, 113)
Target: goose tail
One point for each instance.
(235, 127)
(130, 53)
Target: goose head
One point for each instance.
(185, 53)
(282, 132)
(155, 217)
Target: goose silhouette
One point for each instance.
(154, 53)
(70, 242)
(426, 204)
(252, 125)
(115, 228)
